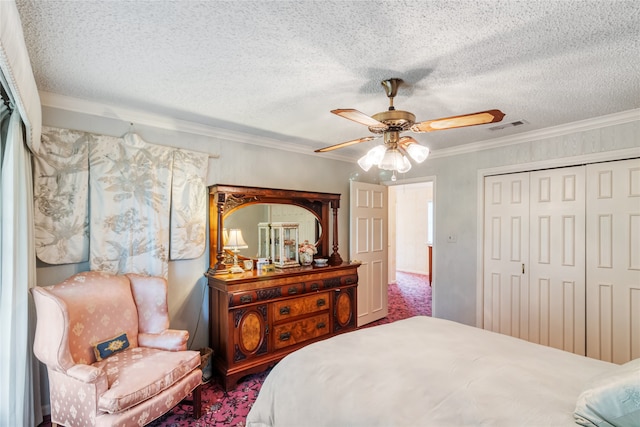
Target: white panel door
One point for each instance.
(506, 252)
(368, 245)
(557, 258)
(613, 260)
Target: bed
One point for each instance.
(425, 371)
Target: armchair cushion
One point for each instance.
(137, 374)
(111, 346)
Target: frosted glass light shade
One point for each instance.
(377, 153)
(406, 165)
(394, 160)
(365, 162)
(418, 152)
(372, 157)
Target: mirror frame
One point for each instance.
(225, 199)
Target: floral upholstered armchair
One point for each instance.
(111, 359)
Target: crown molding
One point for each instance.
(124, 114)
(550, 132)
(138, 117)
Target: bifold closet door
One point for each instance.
(613, 260)
(557, 258)
(506, 253)
(534, 271)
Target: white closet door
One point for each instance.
(557, 258)
(613, 260)
(506, 252)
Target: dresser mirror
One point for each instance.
(246, 207)
(248, 218)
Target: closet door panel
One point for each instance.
(613, 260)
(557, 258)
(506, 225)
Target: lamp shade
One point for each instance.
(394, 160)
(235, 240)
(365, 162)
(418, 152)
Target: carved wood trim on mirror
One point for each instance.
(226, 199)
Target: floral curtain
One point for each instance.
(123, 204)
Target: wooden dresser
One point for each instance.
(258, 318)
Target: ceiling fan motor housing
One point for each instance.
(396, 120)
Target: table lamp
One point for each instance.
(235, 242)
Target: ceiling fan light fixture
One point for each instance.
(365, 162)
(418, 152)
(373, 157)
(394, 160)
(406, 165)
(377, 153)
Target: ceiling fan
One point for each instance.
(391, 123)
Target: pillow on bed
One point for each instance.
(611, 399)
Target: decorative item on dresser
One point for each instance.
(258, 317)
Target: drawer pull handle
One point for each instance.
(314, 286)
(293, 290)
(321, 325)
(244, 299)
(349, 280)
(285, 336)
(321, 302)
(285, 310)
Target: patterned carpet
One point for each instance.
(409, 296)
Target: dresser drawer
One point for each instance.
(297, 306)
(301, 330)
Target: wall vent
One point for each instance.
(508, 125)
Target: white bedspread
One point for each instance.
(424, 371)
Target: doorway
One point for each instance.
(411, 229)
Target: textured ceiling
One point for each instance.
(276, 68)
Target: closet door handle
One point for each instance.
(522, 268)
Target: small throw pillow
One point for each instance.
(111, 346)
(612, 399)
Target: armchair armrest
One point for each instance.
(169, 339)
(84, 373)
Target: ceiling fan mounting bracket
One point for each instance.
(391, 86)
